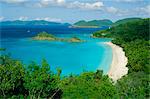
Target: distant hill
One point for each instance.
(34, 22)
(93, 23)
(122, 21)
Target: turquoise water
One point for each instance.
(70, 57)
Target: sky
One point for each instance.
(73, 10)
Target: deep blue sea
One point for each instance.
(72, 58)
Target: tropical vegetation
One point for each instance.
(123, 21)
(96, 23)
(50, 37)
(32, 23)
(34, 81)
(133, 37)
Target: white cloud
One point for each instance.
(74, 4)
(1, 18)
(112, 10)
(131, 1)
(95, 5)
(86, 6)
(49, 19)
(46, 3)
(118, 12)
(60, 1)
(23, 18)
(128, 12)
(13, 1)
(145, 9)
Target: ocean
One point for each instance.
(72, 58)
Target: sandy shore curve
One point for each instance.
(119, 61)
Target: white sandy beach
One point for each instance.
(119, 61)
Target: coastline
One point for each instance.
(75, 26)
(119, 61)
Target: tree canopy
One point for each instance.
(18, 80)
(133, 37)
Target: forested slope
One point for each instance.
(18, 80)
(134, 38)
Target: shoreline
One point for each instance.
(119, 61)
(75, 26)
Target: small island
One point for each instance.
(2, 49)
(50, 37)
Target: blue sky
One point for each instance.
(72, 10)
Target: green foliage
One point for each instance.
(102, 34)
(59, 70)
(11, 74)
(123, 21)
(129, 31)
(134, 86)
(132, 30)
(98, 23)
(88, 85)
(2, 49)
(50, 37)
(76, 38)
(34, 22)
(133, 37)
(45, 34)
(35, 81)
(138, 55)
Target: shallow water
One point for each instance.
(70, 57)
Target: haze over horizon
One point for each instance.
(72, 10)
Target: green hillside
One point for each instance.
(133, 37)
(122, 21)
(33, 22)
(37, 81)
(97, 23)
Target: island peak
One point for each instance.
(51, 37)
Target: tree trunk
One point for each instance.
(30, 95)
(39, 94)
(54, 94)
(3, 93)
